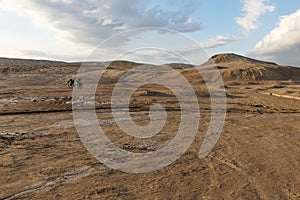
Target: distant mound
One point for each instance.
(16, 62)
(240, 68)
(17, 65)
(231, 58)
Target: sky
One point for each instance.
(72, 30)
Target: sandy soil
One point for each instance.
(42, 156)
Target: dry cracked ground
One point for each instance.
(42, 156)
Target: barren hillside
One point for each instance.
(239, 68)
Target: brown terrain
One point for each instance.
(256, 157)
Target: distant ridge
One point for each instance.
(15, 62)
(232, 67)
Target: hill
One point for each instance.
(240, 68)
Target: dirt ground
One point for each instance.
(42, 156)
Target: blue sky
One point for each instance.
(70, 29)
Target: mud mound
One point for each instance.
(240, 68)
(231, 57)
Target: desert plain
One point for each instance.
(256, 157)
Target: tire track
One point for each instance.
(61, 179)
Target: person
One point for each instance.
(71, 82)
(74, 83)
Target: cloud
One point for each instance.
(37, 54)
(220, 41)
(153, 56)
(33, 53)
(90, 22)
(253, 9)
(282, 44)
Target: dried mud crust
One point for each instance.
(251, 160)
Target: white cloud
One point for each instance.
(253, 9)
(90, 22)
(219, 41)
(33, 53)
(282, 44)
(153, 56)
